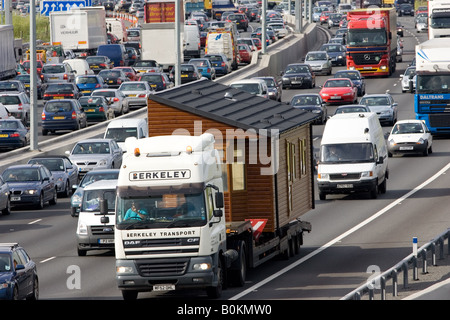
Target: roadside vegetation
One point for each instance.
(22, 27)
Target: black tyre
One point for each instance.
(7, 210)
(129, 294)
(216, 292)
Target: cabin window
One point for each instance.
(238, 170)
(291, 172)
(303, 156)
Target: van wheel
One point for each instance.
(383, 186)
(322, 196)
(374, 191)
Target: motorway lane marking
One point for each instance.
(48, 259)
(342, 236)
(35, 221)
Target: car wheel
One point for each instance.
(54, 200)
(35, 294)
(40, 204)
(7, 210)
(67, 189)
(425, 152)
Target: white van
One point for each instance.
(191, 36)
(81, 66)
(117, 27)
(95, 229)
(120, 129)
(353, 156)
(254, 86)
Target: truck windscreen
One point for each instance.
(433, 83)
(366, 37)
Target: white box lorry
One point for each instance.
(222, 40)
(79, 30)
(353, 156)
(438, 19)
(153, 36)
(7, 58)
(171, 230)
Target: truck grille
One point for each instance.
(102, 230)
(366, 58)
(345, 176)
(162, 267)
(440, 120)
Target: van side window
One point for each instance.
(375, 152)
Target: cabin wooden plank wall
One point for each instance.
(258, 198)
(293, 204)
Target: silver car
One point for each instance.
(116, 99)
(5, 204)
(137, 93)
(407, 77)
(92, 154)
(18, 105)
(383, 105)
(319, 61)
(58, 72)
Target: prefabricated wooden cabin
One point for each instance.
(279, 189)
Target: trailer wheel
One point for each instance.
(216, 292)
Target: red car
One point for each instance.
(129, 72)
(339, 90)
(258, 43)
(39, 65)
(245, 52)
(324, 17)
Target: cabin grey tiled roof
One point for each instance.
(232, 106)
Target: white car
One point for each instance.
(410, 137)
(18, 105)
(137, 93)
(116, 99)
(409, 75)
(280, 29)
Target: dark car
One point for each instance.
(109, 5)
(334, 20)
(336, 52)
(99, 63)
(30, 184)
(65, 114)
(133, 55)
(311, 102)
(274, 87)
(25, 79)
(405, 9)
(18, 274)
(13, 134)
(63, 170)
(240, 19)
(113, 78)
(356, 78)
(400, 29)
(157, 80)
(64, 90)
(88, 178)
(219, 62)
(88, 83)
(188, 73)
(298, 75)
(96, 108)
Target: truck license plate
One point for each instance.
(344, 186)
(163, 287)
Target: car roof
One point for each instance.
(101, 171)
(26, 165)
(50, 157)
(119, 123)
(95, 140)
(8, 246)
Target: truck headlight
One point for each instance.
(201, 266)
(124, 270)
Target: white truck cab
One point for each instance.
(353, 156)
(95, 228)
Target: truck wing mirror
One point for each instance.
(219, 200)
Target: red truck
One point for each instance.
(372, 41)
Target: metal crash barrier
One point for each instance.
(432, 250)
